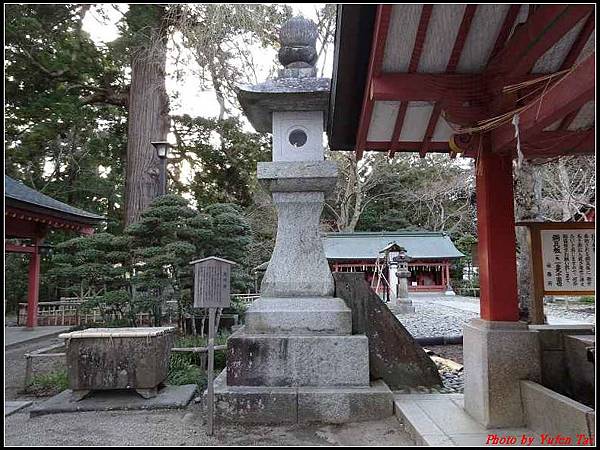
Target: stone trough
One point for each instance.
(100, 359)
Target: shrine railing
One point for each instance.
(71, 313)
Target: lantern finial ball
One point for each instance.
(298, 39)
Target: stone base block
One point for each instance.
(450, 292)
(296, 360)
(284, 405)
(253, 404)
(344, 404)
(313, 315)
(497, 355)
(552, 413)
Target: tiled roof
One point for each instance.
(367, 245)
(22, 194)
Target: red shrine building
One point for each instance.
(431, 254)
(29, 216)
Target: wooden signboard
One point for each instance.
(212, 291)
(211, 282)
(562, 259)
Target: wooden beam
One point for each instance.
(382, 22)
(407, 146)
(572, 56)
(459, 43)
(451, 88)
(550, 144)
(566, 95)
(413, 65)
(15, 248)
(546, 26)
(505, 29)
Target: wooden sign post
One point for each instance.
(211, 290)
(562, 261)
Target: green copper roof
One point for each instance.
(367, 245)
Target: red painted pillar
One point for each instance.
(33, 291)
(496, 237)
(447, 267)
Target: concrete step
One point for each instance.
(441, 420)
(281, 405)
(297, 360)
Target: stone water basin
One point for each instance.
(118, 358)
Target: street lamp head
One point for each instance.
(162, 148)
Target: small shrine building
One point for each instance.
(431, 256)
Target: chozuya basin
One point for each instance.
(118, 358)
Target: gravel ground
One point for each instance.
(186, 427)
(431, 319)
(434, 319)
(586, 312)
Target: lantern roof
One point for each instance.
(296, 87)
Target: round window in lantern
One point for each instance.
(297, 138)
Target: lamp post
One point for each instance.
(162, 150)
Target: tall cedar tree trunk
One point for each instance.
(148, 107)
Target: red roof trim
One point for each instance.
(426, 12)
(382, 22)
(459, 44)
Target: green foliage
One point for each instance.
(58, 140)
(170, 234)
(184, 367)
(50, 383)
(224, 157)
(15, 276)
(181, 371)
(88, 264)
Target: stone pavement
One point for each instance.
(440, 420)
(11, 407)
(14, 336)
(169, 397)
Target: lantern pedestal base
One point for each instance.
(288, 405)
(297, 360)
(298, 315)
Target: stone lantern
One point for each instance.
(399, 275)
(296, 359)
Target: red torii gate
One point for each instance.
(29, 214)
